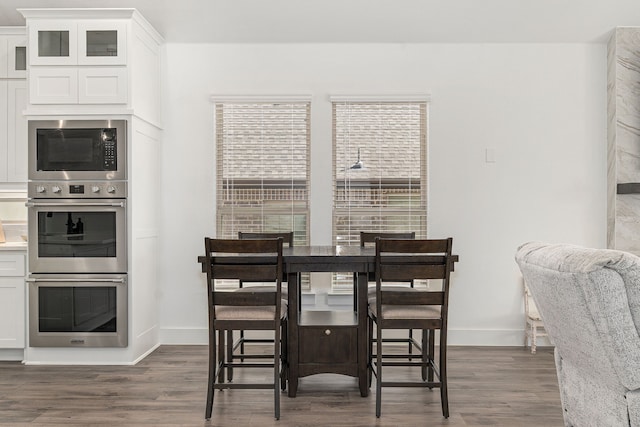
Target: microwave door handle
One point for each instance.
(33, 280)
(70, 205)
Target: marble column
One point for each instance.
(623, 135)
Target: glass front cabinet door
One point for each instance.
(13, 59)
(17, 57)
(102, 42)
(54, 43)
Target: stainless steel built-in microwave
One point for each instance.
(77, 150)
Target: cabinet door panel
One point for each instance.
(106, 85)
(3, 133)
(12, 265)
(17, 57)
(4, 57)
(102, 42)
(52, 85)
(331, 344)
(17, 132)
(12, 319)
(54, 43)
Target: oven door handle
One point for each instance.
(33, 280)
(71, 205)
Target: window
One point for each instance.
(262, 168)
(380, 171)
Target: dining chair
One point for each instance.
(424, 309)
(369, 238)
(239, 344)
(534, 326)
(247, 261)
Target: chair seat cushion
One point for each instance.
(234, 312)
(406, 311)
(533, 313)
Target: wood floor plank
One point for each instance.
(488, 386)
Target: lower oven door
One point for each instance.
(77, 236)
(79, 310)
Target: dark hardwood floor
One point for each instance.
(488, 386)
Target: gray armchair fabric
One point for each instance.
(589, 300)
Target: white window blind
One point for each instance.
(263, 168)
(380, 171)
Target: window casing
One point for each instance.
(387, 191)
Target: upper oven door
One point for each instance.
(77, 236)
(77, 149)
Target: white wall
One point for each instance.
(542, 107)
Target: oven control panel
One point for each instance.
(77, 190)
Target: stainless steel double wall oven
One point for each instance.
(77, 213)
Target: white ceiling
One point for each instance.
(367, 21)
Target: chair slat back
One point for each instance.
(413, 298)
(287, 237)
(370, 237)
(429, 259)
(245, 298)
(244, 260)
(400, 271)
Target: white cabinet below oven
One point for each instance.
(12, 299)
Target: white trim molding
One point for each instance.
(409, 97)
(260, 98)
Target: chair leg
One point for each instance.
(221, 356)
(534, 340)
(411, 343)
(229, 355)
(212, 374)
(378, 369)
(284, 356)
(425, 355)
(241, 345)
(355, 291)
(444, 395)
(276, 373)
(432, 349)
(370, 355)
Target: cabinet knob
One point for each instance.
(327, 332)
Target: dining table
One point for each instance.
(328, 341)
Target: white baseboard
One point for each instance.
(184, 336)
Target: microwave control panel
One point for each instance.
(77, 190)
(110, 162)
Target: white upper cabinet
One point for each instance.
(92, 60)
(17, 50)
(13, 102)
(13, 131)
(78, 61)
(16, 131)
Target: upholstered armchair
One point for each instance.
(589, 300)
